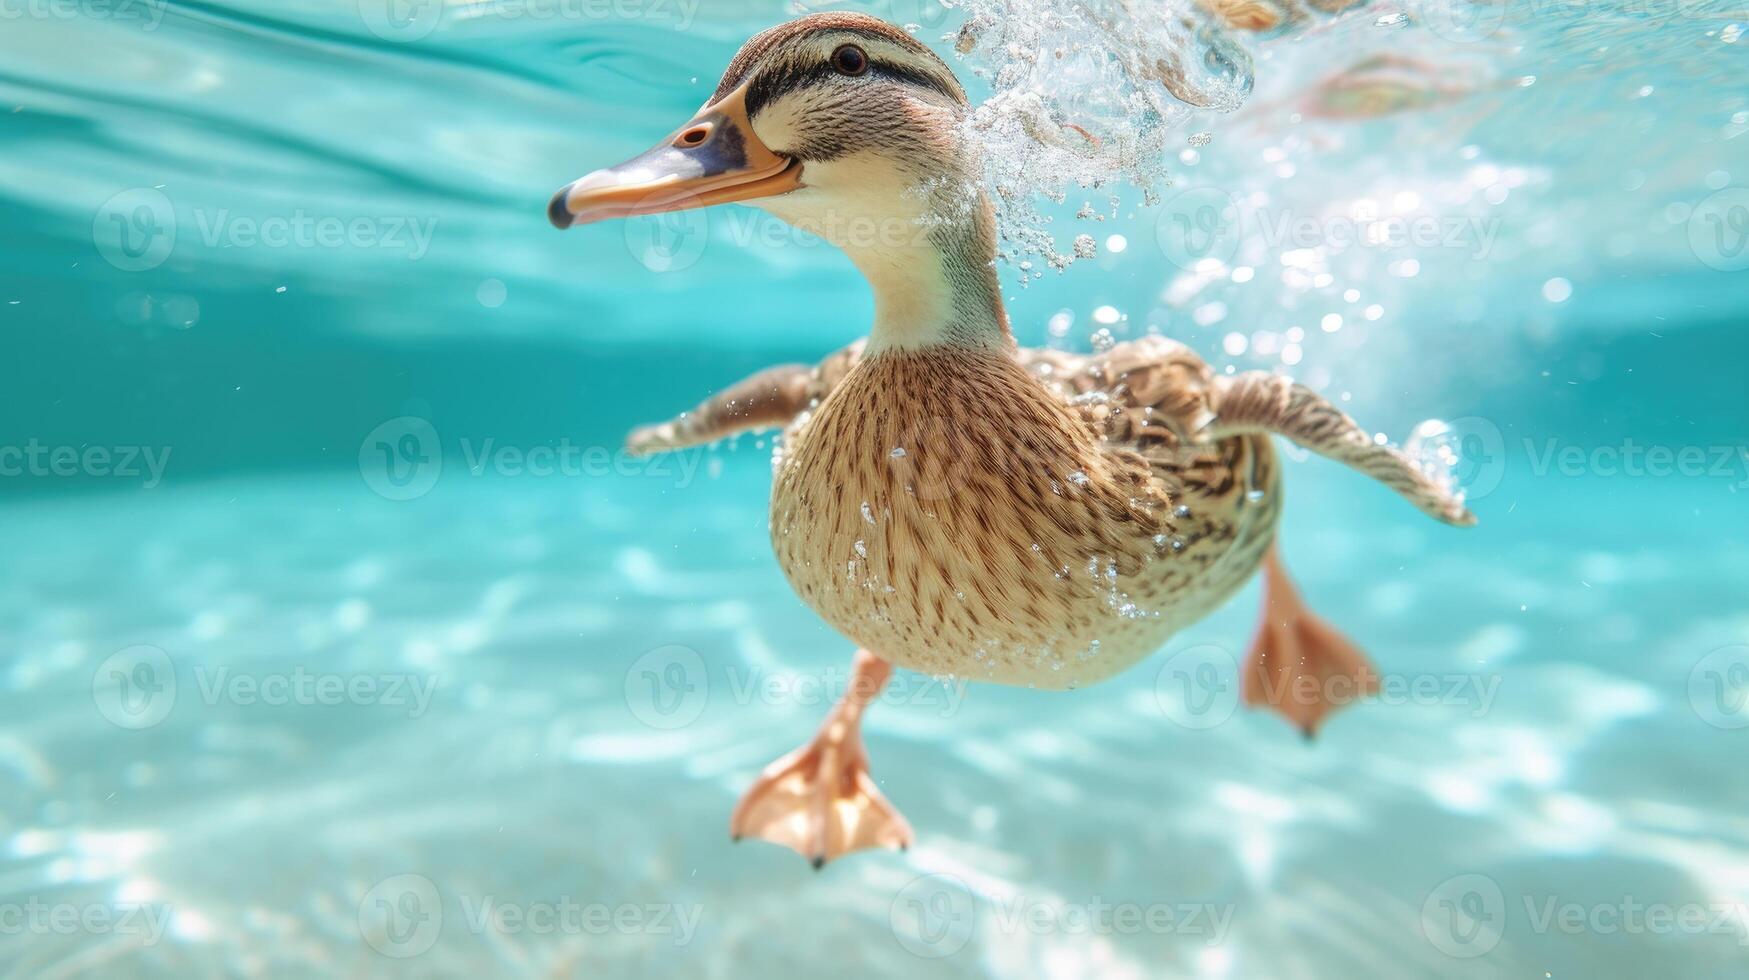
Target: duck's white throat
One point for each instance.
(933, 276)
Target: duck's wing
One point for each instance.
(1157, 398)
(1150, 395)
(1258, 401)
(767, 399)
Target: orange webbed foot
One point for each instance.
(820, 800)
(1299, 666)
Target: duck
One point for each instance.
(949, 501)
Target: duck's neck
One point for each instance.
(936, 287)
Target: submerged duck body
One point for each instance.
(949, 501)
(955, 511)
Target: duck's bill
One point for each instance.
(714, 159)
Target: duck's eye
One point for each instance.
(850, 60)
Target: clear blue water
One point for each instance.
(510, 727)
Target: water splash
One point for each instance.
(1433, 446)
(1090, 94)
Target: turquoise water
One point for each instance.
(336, 638)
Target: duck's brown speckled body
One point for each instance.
(969, 513)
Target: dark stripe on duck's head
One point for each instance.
(774, 82)
(851, 26)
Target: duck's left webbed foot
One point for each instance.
(1299, 666)
(820, 800)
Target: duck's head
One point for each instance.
(846, 127)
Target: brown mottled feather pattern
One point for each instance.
(970, 513)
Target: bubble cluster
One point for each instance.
(1090, 94)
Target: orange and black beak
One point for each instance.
(714, 159)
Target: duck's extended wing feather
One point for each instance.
(1158, 398)
(1151, 397)
(1257, 401)
(767, 399)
